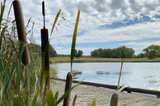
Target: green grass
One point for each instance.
(92, 59)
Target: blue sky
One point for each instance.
(103, 23)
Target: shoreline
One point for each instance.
(86, 94)
(85, 60)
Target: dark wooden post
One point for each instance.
(69, 79)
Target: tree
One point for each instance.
(152, 51)
(52, 52)
(78, 53)
(94, 53)
(120, 52)
(37, 49)
(141, 55)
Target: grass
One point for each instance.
(92, 59)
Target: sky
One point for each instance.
(103, 23)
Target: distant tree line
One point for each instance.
(152, 51)
(37, 49)
(119, 52)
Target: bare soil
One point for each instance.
(86, 94)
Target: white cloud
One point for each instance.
(94, 14)
(62, 50)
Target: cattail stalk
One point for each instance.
(21, 30)
(44, 45)
(22, 38)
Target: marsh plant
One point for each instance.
(20, 84)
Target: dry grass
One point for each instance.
(92, 59)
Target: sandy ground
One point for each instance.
(86, 94)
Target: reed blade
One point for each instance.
(2, 34)
(55, 20)
(93, 102)
(1, 15)
(50, 99)
(56, 95)
(44, 101)
(35, 98)
(74, 100)
(74, 38)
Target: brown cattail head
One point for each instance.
(44, 43)
(21, 29)
(114, 99)
(69, 79)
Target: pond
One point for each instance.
(140, 75)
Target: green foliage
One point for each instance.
(152, 51)
(50, 98)
(78, 53)
(13, 77)
(141, 55)
(17, 80)
(119, 52)
(35, 98)
(37, 49)
(93, 102)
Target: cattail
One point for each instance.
(114, 99)
(67, 87)
(21, 30)
(44, 45)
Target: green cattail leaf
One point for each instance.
(1, 15)
(74, 101)
(9, 11)
(14, 102)
(1, 93)
(43, 80)
(50, 99)
(35, 98)
(2, 34)
(93, 102)
(44, 101)
(74, 39)
(21, 51)
(43, 76)
(55, 20)
(67, 92)
(9, 80)
(9, 101)
(56, 95)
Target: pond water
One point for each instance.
(140, 75)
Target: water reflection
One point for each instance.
(140, 75)
(153, 81)
(110, 73)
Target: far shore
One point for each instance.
(92, 59)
